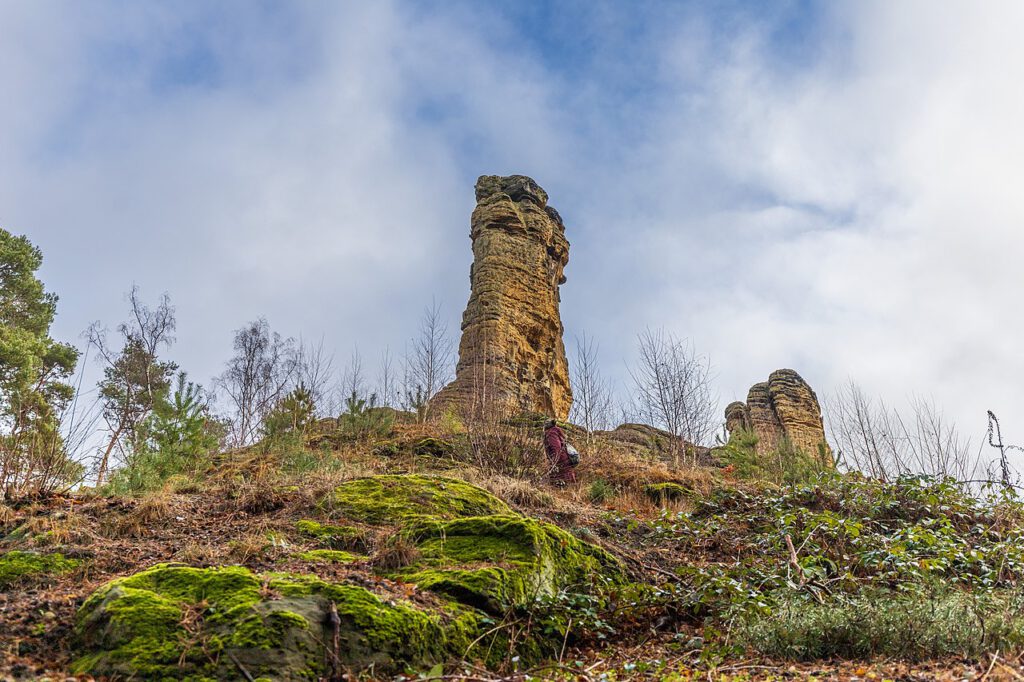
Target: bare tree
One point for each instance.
(429, 365)
(592, 405)
(878, 440)
(263, 369)
(134, 380)
(859, 431)
(387, 382)
(353, 381)
(315, 368)
(1007, 477)
(673, 387)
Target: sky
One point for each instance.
(832, 187)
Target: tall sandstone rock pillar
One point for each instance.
(511, 356)
(780, 409)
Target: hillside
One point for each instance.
(444, 555)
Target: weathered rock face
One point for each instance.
(784, 408)
(511, 356)
(736, 417)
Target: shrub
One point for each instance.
(930, 623)
(175, 440)
(843, 566)
(600, 491)
(294, 413)
(787, 464)
(363, 419)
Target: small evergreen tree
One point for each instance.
(174, 439)
(292, 413)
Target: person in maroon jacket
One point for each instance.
(561, 472)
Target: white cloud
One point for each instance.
(855, 216)
(893, 166)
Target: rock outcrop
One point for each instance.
(648, 441)
(783, 409)
(511, 355)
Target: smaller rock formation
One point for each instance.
(648, 441)
(736, 418)
(511, 355)
(783, 409)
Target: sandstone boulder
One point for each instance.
(511, 355)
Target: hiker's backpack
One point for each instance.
(574, 455)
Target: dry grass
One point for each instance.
(58, 528)
(156, 507)
(7, 515)
(262, 491)
(394, 553)
(197, 553)
(519, 492)
(249, 546)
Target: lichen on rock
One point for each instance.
(333, 536)
(331, 556)
(662, 493)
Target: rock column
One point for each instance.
(511, 355)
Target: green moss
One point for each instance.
(386, 500)
(433, 447)
(660, 493)
(179, 622)
(497, 562)
(329, 556)
(18, 566)
(335, 537)
(264, 632)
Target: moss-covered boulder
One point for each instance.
(18, 567)
(180, 622)
(402, 499)
(332, 536)
(662, 493)
(329, 556)
(433, 447)
(497, 563)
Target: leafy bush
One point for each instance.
(844, 566)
